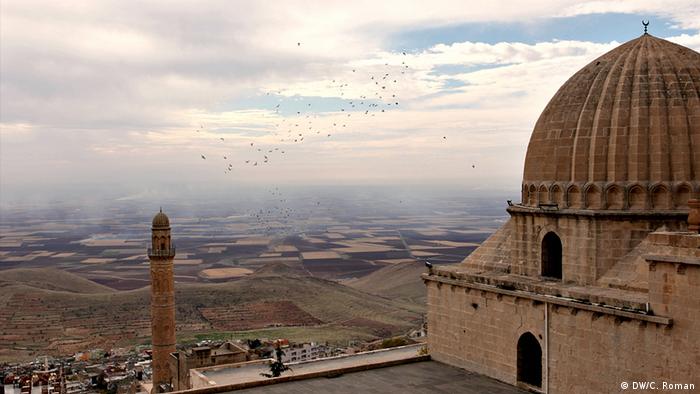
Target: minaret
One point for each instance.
(161, 253)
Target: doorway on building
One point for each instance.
(529, 360)
(551, 256)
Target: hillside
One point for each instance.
(397, 282)
(51, 279)
(282, 269)
(39, 321)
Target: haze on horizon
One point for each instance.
(104, 97)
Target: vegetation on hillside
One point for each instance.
(35, 320)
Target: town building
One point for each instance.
(298, 352)
(203, 356)
(594, 282)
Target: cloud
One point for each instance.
(685, 13)
(117, 89)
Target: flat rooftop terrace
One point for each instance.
(417, 377)
(250, 372)
(401, 369)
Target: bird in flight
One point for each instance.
(348, 105)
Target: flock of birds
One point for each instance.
(277, 215)
(380, 94)
(379, 97)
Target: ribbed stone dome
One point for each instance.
(161, 220)
(622, 133)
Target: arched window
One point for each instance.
(660, 197)
(529, 360)
(683, 193)
(637, 198)
(557, 196)
(614, 197)
(573, 197)
(593, 197)
(551, 256)
(543, 195)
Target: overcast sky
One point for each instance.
(109, 95)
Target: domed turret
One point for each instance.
(161, 220)
(622, 133)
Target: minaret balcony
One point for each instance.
(162, 253)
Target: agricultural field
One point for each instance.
(71, 281)
(112, 250)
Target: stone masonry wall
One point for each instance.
(590, 246)
(478, 330)
(588, 351)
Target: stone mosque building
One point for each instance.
(595, 279)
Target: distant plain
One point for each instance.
(71, 281)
